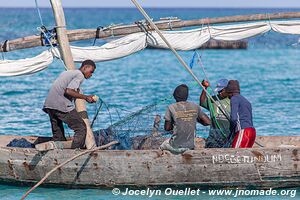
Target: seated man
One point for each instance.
(219, 127)
(241, 124)
(181, 117)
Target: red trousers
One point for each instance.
(245, 138)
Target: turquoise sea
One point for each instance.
(268, 72)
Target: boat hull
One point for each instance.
(203, 168)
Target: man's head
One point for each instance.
(232, 88)
(87, 68)
(220, 87)
(181, 93)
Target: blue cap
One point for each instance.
(221, 84)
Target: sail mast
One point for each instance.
(62, 38)
(67, 57)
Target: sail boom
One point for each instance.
(121, 30)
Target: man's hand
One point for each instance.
(205, 83)
(75, 94)
(90, 99)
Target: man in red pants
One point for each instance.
(241, 124)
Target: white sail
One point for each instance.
(110, 51)
(127, 45)
(26, 66)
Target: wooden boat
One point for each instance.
(275, 165)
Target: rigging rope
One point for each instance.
(2, 55)
(2, 49)
(99, 28)
(40, 29)
(223, 110)
(48, 35)
(38, 10)
(205, 74)
(269, 21)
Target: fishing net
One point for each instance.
(132, 129)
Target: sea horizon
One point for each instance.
(280, 8)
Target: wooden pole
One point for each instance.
(63, 41)
(142, 11)
(66, 162)
(67, 57)
(85, 34)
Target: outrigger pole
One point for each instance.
(66, 55)
(177, 55)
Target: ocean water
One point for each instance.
(268, 72)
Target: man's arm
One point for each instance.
(203, 97)
(168, 120)
(72, 90)
(74, 94)
(168, 126)
(234, 105)
(203, 119)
